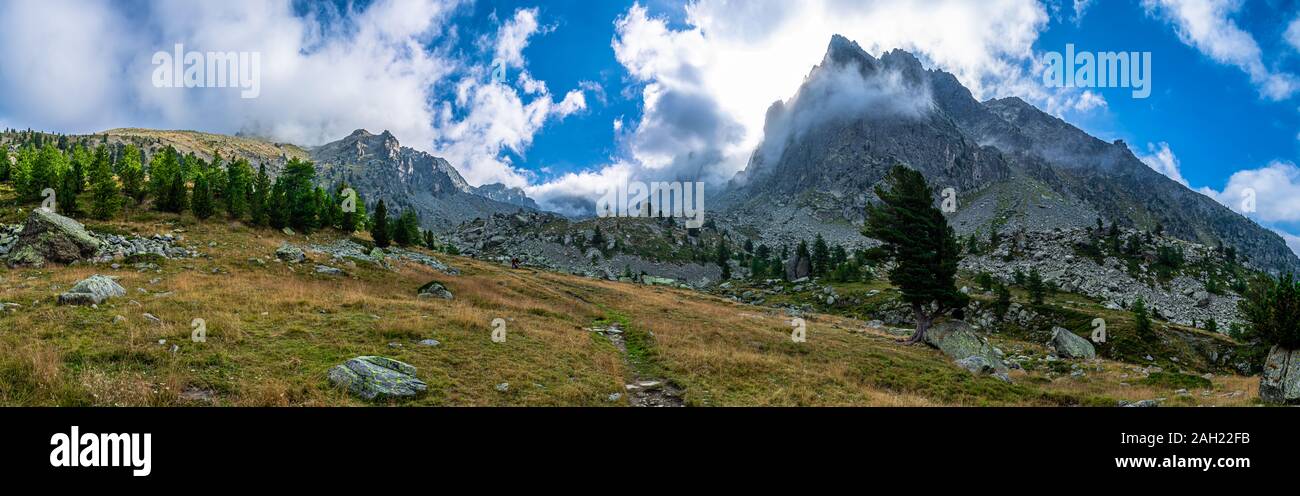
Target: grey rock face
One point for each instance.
(1033, 170)
(434, 289)
(959, 341)
(1280, 383)
(330, 271)
(1069, 345)
(47, 236)
(377, 378)
(290, 253)
(92, 290)
(379, 166)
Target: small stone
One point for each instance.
(503, 387)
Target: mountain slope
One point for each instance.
(1012, 165)
(380, 168)
(376, 165)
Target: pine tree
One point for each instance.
(722, 256)
(177, 200)
(300, 195)
(1141, 319)
(260, 200)
(106, 199)
(351, 221)
(6, 167)
(132, 173)
(1035, 287)
(278, 204)
(821, 257)
(1271, 309)
(67, 194)
(203, 207)
(379, 226)
(238, 190)
(39, 171)
(163, 169)
(917, 238)
(81, 162)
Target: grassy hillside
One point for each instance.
(274, 330)
(204, 144)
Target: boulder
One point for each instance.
(1070, 345)
(290, 253)
(92, 290)
(1280, 382)
(376, 378)
(47, 236)
(959, 341)
(434, 289)
(330, 271)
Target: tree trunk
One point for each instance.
(923, 321)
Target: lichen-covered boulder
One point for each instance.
(290, 253)
(50, 237)
(376, 378)
(959, 341)
(1280, 382)
(1070, 345)
(434, 289)
(92, 290)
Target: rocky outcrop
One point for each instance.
(970, 350)
(290, 253)
(1069, 345)
(50, 237)
(376, 378)
(1280, 383)
(434, 289)
(92, 290)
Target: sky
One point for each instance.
(597, 92)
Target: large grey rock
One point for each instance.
(92, 290)
(1069, 345)
(959, 341)
(377, 378)
(434, 289)
(47, 236)
(1280, 382)
(290, 253)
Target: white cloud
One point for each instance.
(1081, 8)
(1207, 25)
(495, 118)
(1161, 159)
(84, 65)
(706, 83)
(1275, 189)
(323, 74)
(1270, 195)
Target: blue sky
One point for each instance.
(604, 91)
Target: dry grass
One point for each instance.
(273, 332)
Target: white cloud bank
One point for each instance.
(707, 82)
(83, 66)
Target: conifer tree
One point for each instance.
(106, 199)
(203, 207)
(260, 200)
(917, 238)
(132, 173)
(379, 226)
(239, 185)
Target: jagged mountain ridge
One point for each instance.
(380, 168)
(1012, 165)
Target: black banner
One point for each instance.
(460, 443)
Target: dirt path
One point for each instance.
(645, 390)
